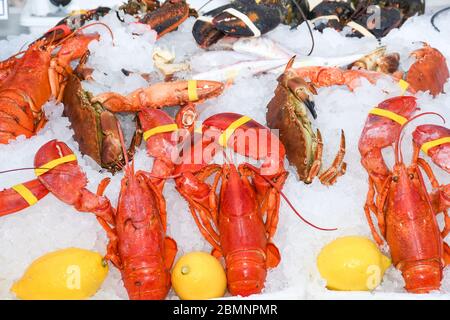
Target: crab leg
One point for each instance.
(338, 167)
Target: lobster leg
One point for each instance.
(268, 194)
(370, 207)
(202, 215)
(438, 208)
(157, 190)
(338, 167)
(112, 251)
(380, 205)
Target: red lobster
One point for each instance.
(234, 225)
(138, 246)
(241, 221)
(27, 83)
(399, 198)
(244, 238)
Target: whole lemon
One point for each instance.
(352, 264)
(199, 276)
(69, 274)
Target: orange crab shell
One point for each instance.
(429, 72)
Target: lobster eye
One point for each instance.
(411, 176)
(395, 178)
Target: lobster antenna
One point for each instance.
(398, 149)
(302, 13)
(33, 168)
(88, 26)
(433, 18)
(287, 200)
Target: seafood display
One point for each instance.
(201, 155)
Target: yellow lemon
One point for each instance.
(352, 264)
(69, 274)
(199, 276)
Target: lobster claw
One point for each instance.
(242, 18)
(168, 17)
(247, 19)
(434, 140)
(204, 32)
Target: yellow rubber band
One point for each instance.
(192, 90)
(199, 130)
(78, 12)
(54, 163)
(389, 114)
(25, 193)
(434, 143)
(160, 129)
(404, 86)
(225, 136)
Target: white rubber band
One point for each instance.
(249, 23)
(332, 17)
(360, 29)
(205, 19)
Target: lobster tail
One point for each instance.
(422, 276)
(146, 279)
(246, 272)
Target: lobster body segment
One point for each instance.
(140, 248)
(243, 235)
(412, 231)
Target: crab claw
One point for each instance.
(247, 19)
(305, 92)
(429, 72)
(302, 90)
(425, 135)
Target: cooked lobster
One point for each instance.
(31, 80)
(399, 199)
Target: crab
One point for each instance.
(288, 112)
(95, 128)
